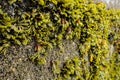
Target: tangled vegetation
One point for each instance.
(52, 21)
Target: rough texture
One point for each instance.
(15, 63)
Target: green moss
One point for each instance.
(88, 22)
(11, 1)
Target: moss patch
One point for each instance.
(50, 22)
